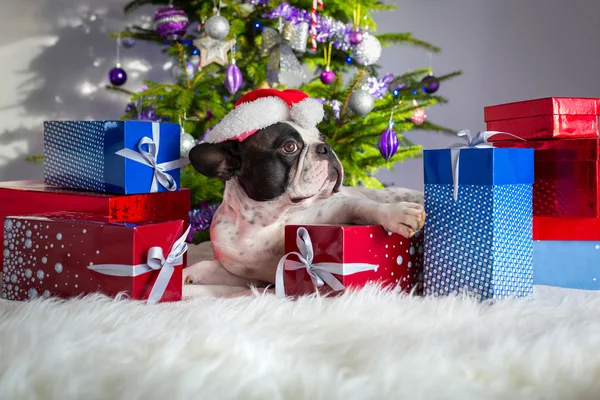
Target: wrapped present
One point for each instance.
(126, 157)
(566, 228)
(479, 220)
(332, 258)
(547, 118)
(566, 176)
(571, 264)
(71, 254)
(33, 197)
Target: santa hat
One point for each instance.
(264, 107)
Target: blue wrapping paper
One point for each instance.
(567, 264)
(99, 156)
(480, 242)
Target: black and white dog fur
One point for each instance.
(284, 174)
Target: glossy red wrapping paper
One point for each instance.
(399, 260)
(566, 176)
(547, 118)
(33, 197)
(49, 256)
(566, 228)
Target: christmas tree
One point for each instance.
(220, 51)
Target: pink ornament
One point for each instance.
(418, 116)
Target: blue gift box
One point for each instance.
(480, 242)
(567, 264)
(124, 157)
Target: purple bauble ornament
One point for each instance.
(327, 76)
(356, 36)
(388, 143)
(170, 22)
(430, 84)
(233, 78)
(117, 76)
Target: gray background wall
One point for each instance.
(509, 50)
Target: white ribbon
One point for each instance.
(319, 273)
(479, 140)
(149, 158)
(155, 261)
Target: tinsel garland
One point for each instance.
(378, 87)
(328, 29)
(200, 218)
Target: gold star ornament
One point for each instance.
(213, 51)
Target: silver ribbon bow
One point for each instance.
(155, 261)
(479, 140)
(320, 273)
(281, 56)
(149, 158)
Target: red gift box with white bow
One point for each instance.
(72, 254)
(331, 258)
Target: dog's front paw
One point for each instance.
(405, 219)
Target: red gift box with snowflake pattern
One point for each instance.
(33, 197)
(331, 258)
(71, 254)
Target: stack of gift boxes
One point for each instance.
(518, 204)
(109, 217)
(566, 198)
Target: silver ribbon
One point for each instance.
(281, 56)
(149, 158)
(320, 273)
(479, 140)
(155, 261)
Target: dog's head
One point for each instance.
(282, 162)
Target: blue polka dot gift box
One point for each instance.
(122, 157)
(478, 236)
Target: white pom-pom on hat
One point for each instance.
(261, 108)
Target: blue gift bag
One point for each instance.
(124, 157)
(478, 235)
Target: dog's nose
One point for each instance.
(322, 148)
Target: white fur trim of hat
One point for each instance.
(247, 118)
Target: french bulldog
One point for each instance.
(284, 173)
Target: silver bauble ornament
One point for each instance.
(195, 60)
(186, 144)
(190, 70)
(361, 102)
(217, 27)
(368, 51)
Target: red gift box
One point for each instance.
(33, 197)
(337, 257)
(566, 176)
(547, 118)
(71, 254)
(566, 228)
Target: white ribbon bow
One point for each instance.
(319, 273)
(155, 261)
(479, 140)
(149, 158)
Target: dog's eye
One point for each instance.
(290, 147)
(323, 137)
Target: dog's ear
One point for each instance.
(221, 160)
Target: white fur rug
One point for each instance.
(367, 345)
